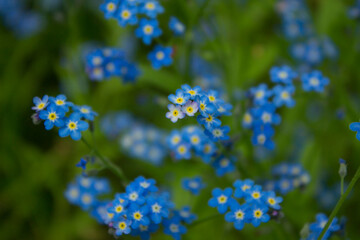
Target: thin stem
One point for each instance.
(340, 202)
(110, 165)
(204, 220)
(342, 186)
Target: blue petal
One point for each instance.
(76, 135)
(64, 132)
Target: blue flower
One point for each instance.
(126, 14)
(185, 215)
(147, 30)
(85, 112)
(223, 108)
(160, 56)
(224, 165)
(40, 104)
(194, 92)
(122, 226)
(176, 26)
(158, 209)
(135, 193)
(283, 96)
(109, 8)
(52, 116)
(138, 215)
(254, 195)
(218, 133)
(144, 231)
(209, 121)
(248, 119)
(205, 106)
(60, 101)
(260, 94)
(259, 214)
(242, 187)
(355, 126)
(284, 185)
(148, 185)
(190, 108)
(320, 223)
(262, 137)
(267, 115)
(213, 96)
(81, 164)
(282, 74)
(118, 207)
(314, 81)
(238, 215)
(174, 228)
(179, 98)
(182, 151)
(73, 127)
(221, 199)
(151, 8)
(194, 185)
(272, 200)
(175, 113)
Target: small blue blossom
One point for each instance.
(218, 133)
(147, 30)
(175, 113)
(148, 185)
(221, 199)
(262, 137)
(355, 126)
(122, 226)
(267, 114)
(320, 223)
(60, 101)
(224, 165)
(260, 94)
(85, 112)
(190, 108)
(126, 14)
(259, 215)
(242, 187)
(194, 92)
(180, 97)
(209, 121)
(205, 107)
(283, 96)
(151, 8)
(272, 201)
(158, 209)
(194, 185)
(185, 215)
(174, 228)
(176, 26)
(314, 81)
(40, 104)
(109, 7)
(160, 56)
(145, 231)
(238, 215)
(282, 74)
(73, 126)
(182, 151)
(53, 115)
(138, 215)
(81, 164)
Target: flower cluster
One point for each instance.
(190, 101)
(193, 185)
(317, 226)
(85, 191)
(142, 209)
(262, 117)
(21, 20)
(144, 14)
(138, 140)
(53, 111)
(257, 205)
(289, 176)
(104, 63)
(306, 48)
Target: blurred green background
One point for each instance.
(36, 165)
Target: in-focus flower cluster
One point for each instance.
(104, 63)
(317, 226)
(256, 206)
(288, 176)
(191, 140)
(137, 139)
(262, 116)
(144, 14)
(208, 106)
(142, 209)
(306, 47)
(53, 111)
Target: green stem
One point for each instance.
(204, 220)
(110, 165)
(342, 186)
(340, 202)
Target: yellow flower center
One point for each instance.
(181, 149)
(207, 148)
(222, 199)
(261, 138)
(72, 125)
(160, 55)
(84, 110)
(314, 82)
(189, 109)
(111, 7)
(245, 187)
(224, 162)
(271, 201)
(52, 116)
(192, 92)
(175, 140)
(119, 209)
(175, 113)
(259, 94)
(60, 102)
(150, 6)
(96, 60)
(180, 100)
(257, 213)
(239, 214)
(137, 216)
(256, 195)
(122, 225)
(209, 118)
(125, 14)
(211, 98)
(202, 106)
(110, 215)
(148, 29)
(247, 118)
(41, 106)
(195, 140)
(285, 95)
(283, 75)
